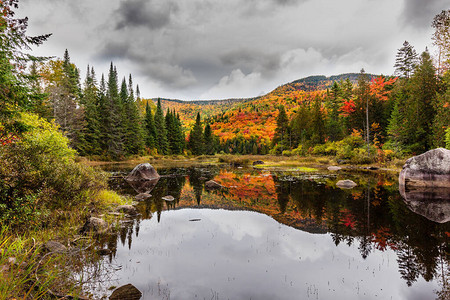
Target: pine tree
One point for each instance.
(162, 144)
(196, 142)
(406, 61)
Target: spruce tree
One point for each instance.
(406, 61)
(421, 105)
(281, 136)
(134, 129)
(150, 131)
(196, 142)
(318, 122)
(208, 138)
(162, 145)
(90, 101)
(114, 134)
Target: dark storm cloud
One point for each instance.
(135, 13)
(420, 13)
(250, 60)
(113, 50)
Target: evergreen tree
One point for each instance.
(162, 145)
(209, 140)
(406, 61)
(282, 136)
(90, 102)
(394, 129)
(441, 121)
(114, 133)
(134, 135)
(333, 124)
(196, 142)
(149, 128)
(421, 103)
(318, 122)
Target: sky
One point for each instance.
(211, 49)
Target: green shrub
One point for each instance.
(447, 138)
(39, 171)
(286, 153)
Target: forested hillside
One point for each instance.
(357, 117)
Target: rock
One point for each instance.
(430, 169)
(334, 168)
(168, 198)
(53, 246)
(142, 196)
(127, 209)
(346, 184)
(258, 162)
(212, 185)
(126, 292)
(203, 178)
(142, 172)
(95, 225)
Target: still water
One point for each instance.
(277, 235)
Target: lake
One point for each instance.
(276, 234)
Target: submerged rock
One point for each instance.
(334, 168)
(212, 185)
(258, 162)
(95, 225)
(126, 292)
(127, 209)
(430, 169)
(168, 198)
(143, 172)
(54, 246)
(142, 196)
(346, 184)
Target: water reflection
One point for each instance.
(368, 228)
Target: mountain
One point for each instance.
(254, 117)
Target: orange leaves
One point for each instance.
(378, 87)
(348, 107)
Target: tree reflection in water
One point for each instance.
(372, 215)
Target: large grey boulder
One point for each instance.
(430, 169)
(143, 172)
(143, 178)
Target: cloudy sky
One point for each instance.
(211, 49)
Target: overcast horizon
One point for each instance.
(204, 49)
